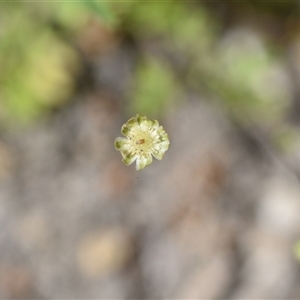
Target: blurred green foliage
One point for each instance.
(183, 31)
(186, 25)
(286, 138)
(249, 80)
(297, 250)
(155, 89)
(241, 71)
(38, 66)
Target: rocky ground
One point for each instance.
(215, 219)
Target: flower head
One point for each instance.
(143, 138)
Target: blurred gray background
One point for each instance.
(217, 218)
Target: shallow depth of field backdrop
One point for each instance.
(218, 217)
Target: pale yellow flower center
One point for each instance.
(141, 141)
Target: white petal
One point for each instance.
(141, 162)
(159, 154)
(128, 158)
(121, 144)
(149, 159)
(164, 145)
(144, 125)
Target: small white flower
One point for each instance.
(144, 138)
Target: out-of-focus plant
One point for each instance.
(43, 79)
(183, 31)
(253, 84)
(240, 70)
(186, 26)
(155, 88)
(38, 65)
(286, 138)
(297, 250)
